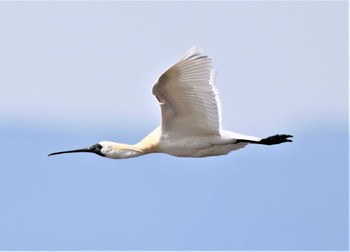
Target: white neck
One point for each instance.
(149, 144)
(117, 150)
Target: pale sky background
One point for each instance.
(75, 73)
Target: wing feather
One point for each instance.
(190, 103)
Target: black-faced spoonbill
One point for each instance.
(191, 117)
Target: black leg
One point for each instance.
(276, 139)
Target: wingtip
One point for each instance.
(194, 50)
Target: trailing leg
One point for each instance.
(275, 139)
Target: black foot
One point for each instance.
(276, 139)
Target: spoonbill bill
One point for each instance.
(191, 117)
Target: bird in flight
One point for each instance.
(191, 117)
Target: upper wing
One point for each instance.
(189, 101)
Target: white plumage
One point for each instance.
(189, 101)
(191, 117)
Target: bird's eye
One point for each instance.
(99, 146)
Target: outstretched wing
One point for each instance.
(189, 101)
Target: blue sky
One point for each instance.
(75, 73)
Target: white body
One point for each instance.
(191, 115)
(195, 146)
(201, 146)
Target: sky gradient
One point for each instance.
(75, 73)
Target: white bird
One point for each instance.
(191, 117)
